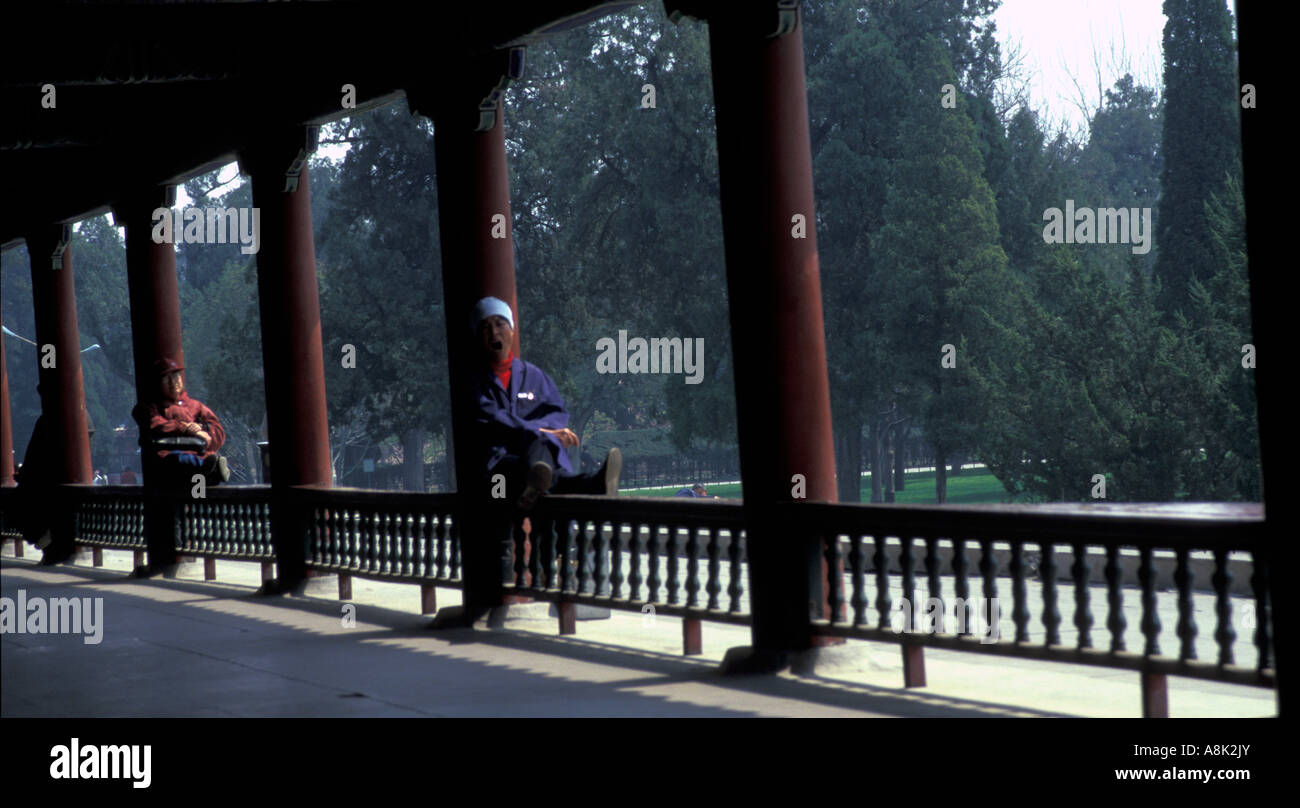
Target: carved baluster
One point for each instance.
(616, 560)
(857, 566)
(670, 559)
(405, 529)
(1225, 635)
(456, 571)
(1019, 611)
(1082, 609)
(1051, 614)
(932, 569)
(989, 569)
(1150, 618)
(602, 541)
(835, 581)
(584, 551)
(411, 545)
(1186, 619)
(634, 578)
(338, 522)
(883, 600)
(390, 543)
(440, 560)
(652, 562)
(905, 564)
(692, 567)
(961, 584)
(565, 540)
(1115, 621)
(714, 585)
(1263, 610)
(735, 584)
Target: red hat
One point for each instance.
(165, 366)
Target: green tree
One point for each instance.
(1201, 141)
(946, 282)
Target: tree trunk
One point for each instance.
(413, 460)
(956, 465)
(877, 460)
(887, 470)
(848, 462)
(940, 476)
(900, 460)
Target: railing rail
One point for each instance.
(681, 557)
(863, 541)
(384, 535)
(688, 558)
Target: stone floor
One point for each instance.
(185, 647)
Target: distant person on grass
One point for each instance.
(696, 490)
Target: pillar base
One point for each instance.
(746, 660)
(154, 570)
(452, 617)
(582, 611)
(829, 660)
(321, 585)
(280, 586)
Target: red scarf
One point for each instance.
(502, 370)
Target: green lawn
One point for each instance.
(971, 487)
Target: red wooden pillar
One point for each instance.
(782, 389)
(63, 395)
(58, 355)
(474, 222)
(292, 357)
(154, 294)
(6, 425)
(153, 289)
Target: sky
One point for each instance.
(1064, 38)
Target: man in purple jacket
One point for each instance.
(522, 426)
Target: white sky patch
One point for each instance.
(1064, 39)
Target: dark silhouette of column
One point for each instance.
(63, 396)
(782, 391)
(292, 357)
(155, 333)
(477, 260)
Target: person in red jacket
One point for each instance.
(173, 414)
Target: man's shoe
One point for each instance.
(613, 468)
(539, 482)
(216, 468)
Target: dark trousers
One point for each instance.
(504, 517)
